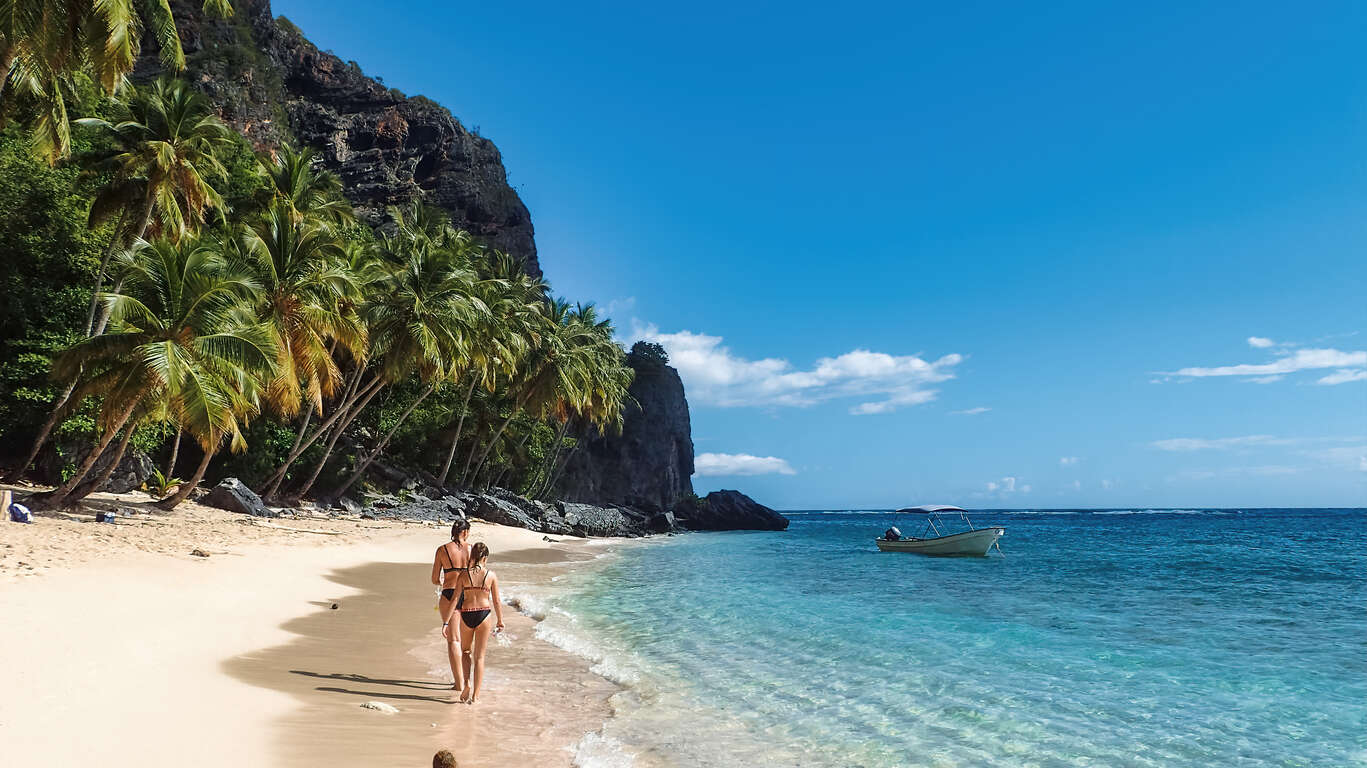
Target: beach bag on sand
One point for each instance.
(20, 514)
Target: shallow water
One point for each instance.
(1103, 638)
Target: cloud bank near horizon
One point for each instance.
(716, 376)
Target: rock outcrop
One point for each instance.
(272, 84)
(728, 511)
(132, 471)
(650, 465)
(234, 495)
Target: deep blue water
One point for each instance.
(1102, 638)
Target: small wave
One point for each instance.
(604, 664)
(595, 750)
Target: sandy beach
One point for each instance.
(122, 648)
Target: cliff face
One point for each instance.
(650, 465)
(272, 84)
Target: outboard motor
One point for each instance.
(892, 534)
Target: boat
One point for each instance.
(975, 542)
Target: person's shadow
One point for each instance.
(362, 679)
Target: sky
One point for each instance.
(990, 254)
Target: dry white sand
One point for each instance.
(118, 648)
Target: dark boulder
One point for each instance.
(589, 520)
(234, 495)
(663, 522)
(443, 510)
(728, 511)
(499, 511)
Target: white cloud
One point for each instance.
(1187, 444)
(970, 411)
(1343, 456)
(714, 375)
(1260, 342)
(1106, 484)
(717, 464)
(1067, 461)
(1267, 379)
(1343, 377)
(1288, 361)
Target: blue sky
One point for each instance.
(993, 254)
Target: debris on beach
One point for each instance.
(380, 706)
(334, 606)
(198, 553)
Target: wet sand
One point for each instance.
(384, 644)
(120, 649)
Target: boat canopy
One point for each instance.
(927, 509)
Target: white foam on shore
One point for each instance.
(598, 751)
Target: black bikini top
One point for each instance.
(451, 562)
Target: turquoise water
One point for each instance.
(1102, 638)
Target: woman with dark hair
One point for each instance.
(479, 594)
(451, 560)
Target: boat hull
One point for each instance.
(970, 543)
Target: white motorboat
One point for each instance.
(973, 542)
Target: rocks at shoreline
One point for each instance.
(719, 511)
(728, 511)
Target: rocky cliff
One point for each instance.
(650, 465)
(272, 84)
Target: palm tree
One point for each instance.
(306, 288)
(45, 45)
(161, 159)
(307, 190)
(511, 328)
(183, 340)
(419, 312)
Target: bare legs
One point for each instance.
(475, 641)
(452, 637)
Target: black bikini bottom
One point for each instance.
(447, 594)
(473, 619)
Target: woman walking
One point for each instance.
(452, 559)
(479, 592)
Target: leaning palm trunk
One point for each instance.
(488, 449)
(59, 496)
(278, 477)
(85, 489)
(59, 405)
(332, 443)
(364, 465)
(555, 478)
(547, 467)
(186, 488)
(175, 454)
(455, 439)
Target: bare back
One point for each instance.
(453, 558)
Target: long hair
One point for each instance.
(461, 524)
(477, 553)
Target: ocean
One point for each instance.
(1125, 637)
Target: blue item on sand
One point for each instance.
(20, 514)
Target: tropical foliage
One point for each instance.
(188, 297)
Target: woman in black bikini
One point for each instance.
(479, 591)
(452, 559)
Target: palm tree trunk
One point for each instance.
(494, 441)
(188, 487)
(544, 473)
(555, 478)
(41, 438)
(455, 439)
(277, 477)
(175, 454)
(86, 489)
(360, 470)
(332, 443)
(99, 276)
(58, 496)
